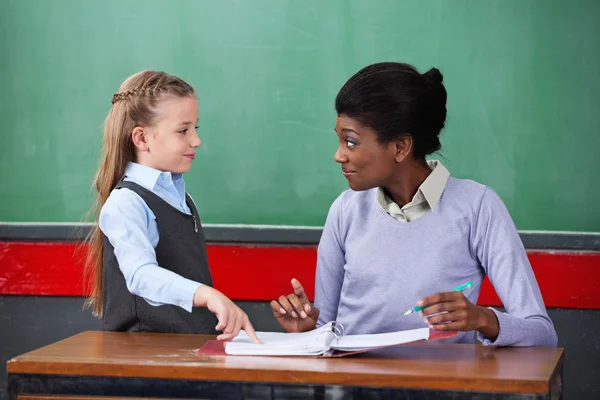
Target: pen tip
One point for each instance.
(408, 312)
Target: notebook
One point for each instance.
(328, 340)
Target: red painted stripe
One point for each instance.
(262, 273)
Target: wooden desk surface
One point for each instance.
(419, 365)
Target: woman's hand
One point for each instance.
(452, 311)
(294, 312)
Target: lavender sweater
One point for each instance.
(371, 268)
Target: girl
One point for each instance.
(148, 259)
(407, 229)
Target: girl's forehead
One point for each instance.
(179, 108)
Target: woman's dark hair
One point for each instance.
(395, 100)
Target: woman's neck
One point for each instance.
(406, 181)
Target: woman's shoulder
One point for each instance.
(468, 194)
(466, 185)
(349, 204)
(465, 191)
(350, 199)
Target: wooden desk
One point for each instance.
(103, 364)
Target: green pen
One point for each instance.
(460, 288)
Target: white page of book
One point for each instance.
(362, 342)
(275, 343)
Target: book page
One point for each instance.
(363, 342)
(314, 342)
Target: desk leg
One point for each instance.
(14, 387)
(556, 384)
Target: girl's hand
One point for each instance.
(231, 318)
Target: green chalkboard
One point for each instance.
(522, 76)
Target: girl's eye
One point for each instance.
(184, 131)
(350, 144)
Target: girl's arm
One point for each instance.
(130, 226)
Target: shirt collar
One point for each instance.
(433, 186)
(148, 176)
(431, 189)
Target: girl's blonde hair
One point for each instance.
(135, 104)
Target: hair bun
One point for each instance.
(434, 76)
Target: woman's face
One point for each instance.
(365, 162)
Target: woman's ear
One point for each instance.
(139, 138)
(404, 147)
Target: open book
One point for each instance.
(328, 340)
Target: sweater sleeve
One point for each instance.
(330, 265)
(502, 255)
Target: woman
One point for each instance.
(407, 232)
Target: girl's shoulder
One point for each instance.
(124, 201)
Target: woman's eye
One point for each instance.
(183, 131)
(350, 144)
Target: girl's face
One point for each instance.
(365, 162)
(172, 141)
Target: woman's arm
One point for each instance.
(499, 248)
(330, 264)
